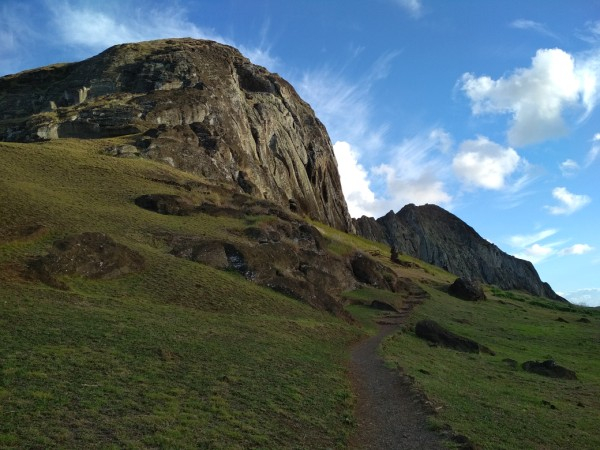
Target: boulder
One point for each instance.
(549, 368)
(435, 333)
(467, 289)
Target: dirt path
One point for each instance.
(389, 415)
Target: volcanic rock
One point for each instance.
(435, 333)
(167, 204)
(466, 289)
(196, 105)
(440, 238)
(91, 255)
(550, 369)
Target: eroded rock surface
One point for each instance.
(197, 105)
(92, 255)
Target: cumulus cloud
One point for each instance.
(537, 96)
(577, 249)
(413, 7)
(483, 163)
(354, 179)
(568, 202)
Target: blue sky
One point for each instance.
(487, 108)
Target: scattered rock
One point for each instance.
(510, 362)
(584, 320)
(547, 403)
(211, 253)
(436, 334)
(123, 151)
(560, 319)
(467, 289)
(549, 368)
(91, 255)
(167, 204)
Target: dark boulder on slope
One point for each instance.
(197, 105)
(466, 289)
(438, 237)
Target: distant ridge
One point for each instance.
(438, 237)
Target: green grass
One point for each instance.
(178, 356)
(185, 356)
(482, 397)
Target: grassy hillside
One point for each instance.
(182, 355)
(178, 356)
(487, 398)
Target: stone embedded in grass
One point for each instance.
(435, 333)
(377, 304)
(167, 204)
(466, 289)
(549, 368)
(91, 255)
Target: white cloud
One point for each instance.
(537, 96)
(577, 249)
(568, 202)
(414, 7)
(569, 167)
(483, 163)
(521, 240)
(94, 26)
(591, 32)
(592, 155)
(585, 297)
(524, 24)
(354, 179)
(16, 36)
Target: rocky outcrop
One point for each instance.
(196, 105)
(466, 289)
(440, 238)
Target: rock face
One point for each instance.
(196, 105)
(438, 237)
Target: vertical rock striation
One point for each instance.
(197, 105)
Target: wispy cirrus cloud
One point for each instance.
(568, 202)
(413, 7)
(526, 24)
(533, 248)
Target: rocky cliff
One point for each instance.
(438, 237)
(196, 105)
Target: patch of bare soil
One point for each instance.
(390, 415)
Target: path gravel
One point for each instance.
(389, 414)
